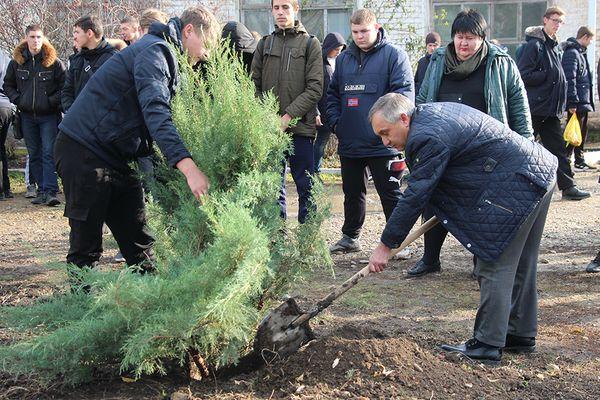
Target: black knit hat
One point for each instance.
(433, 37)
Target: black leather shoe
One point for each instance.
(574, 193)
(421, 269)
(477, 351)
(594, 266)
(519, 344)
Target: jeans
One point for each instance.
(323, 135)
(552, 139)
(40, 133)
(301, 165)
(5, 119)
(354, 185)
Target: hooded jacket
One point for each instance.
(34, 83)
(543, 75)
(481, 179)
(422, 65)
(4, 61)
(503, 89)
(82, 66)
(580, 94)
(289, 62)
(331, 41)
(241, 40)
(358, 81)
(126, 104)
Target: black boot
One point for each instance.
(594, 266)
(519, 344)
(421, 269)
(477, 351)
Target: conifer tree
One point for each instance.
(220, 265)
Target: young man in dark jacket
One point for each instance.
(580, 94)
(546, 85)
(123, 108)
(333, 45)
(94, 51)
(33, 81)
(288, 62)
(433, 41)
(241, 41)
(368, 69)
(491, 188)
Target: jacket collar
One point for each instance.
(381, 41)
(103, 47)
(572, 43)
(48, 55)
(171, 32)
(298, 28)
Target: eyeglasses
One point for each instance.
(557, 20)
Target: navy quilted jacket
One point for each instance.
(480, 178)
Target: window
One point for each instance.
(319, 17)
(507, 19)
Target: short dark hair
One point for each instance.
(33, 27)
(128, 19)
(90, 22)
(470, 21)
(584, 31)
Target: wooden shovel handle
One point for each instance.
(353, 280)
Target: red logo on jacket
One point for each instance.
(353, 102)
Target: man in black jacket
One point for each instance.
(123, 108)
(33, 82)
(94, 50)
(580, 95)
(432, 41)
(491, 188)
(546, 85)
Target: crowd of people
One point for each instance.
(475, 104)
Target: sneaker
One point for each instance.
(119, 257)
(583, 166)
(346, 245)
(574, 193)
(39, 199)
(594, 266)
(31, 192)
(52, 200)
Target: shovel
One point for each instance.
(285, 329)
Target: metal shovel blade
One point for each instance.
(275, 338)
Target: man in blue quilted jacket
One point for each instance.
(489, 187)
(121, 111)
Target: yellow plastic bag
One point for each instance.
(572, 133)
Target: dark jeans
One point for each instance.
(301, 165)
(433, 240)
(551, 134)
(96, 194)
(354, 185)
(323, 135)
(40, 133)
(6, 115)
(582, 117)
(508, 294)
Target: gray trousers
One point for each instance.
(508, 293)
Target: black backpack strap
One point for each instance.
(308, 42)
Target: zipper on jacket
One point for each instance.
(498, 206)
(33, 102)
(289, 59)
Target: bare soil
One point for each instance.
(381, 339)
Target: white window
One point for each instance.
(507, 19)
(319, 17)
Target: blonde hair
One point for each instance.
(151, 15)
(203, 21)
(554, 10)
(363, 16)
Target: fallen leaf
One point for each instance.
(417, 367)
(553, 369)
(300, 378)
(469, 385)
(541, 377)
(335, 363)
(127, 379)
(387, 372)
(300, 388)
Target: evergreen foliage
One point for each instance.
(220, 265)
